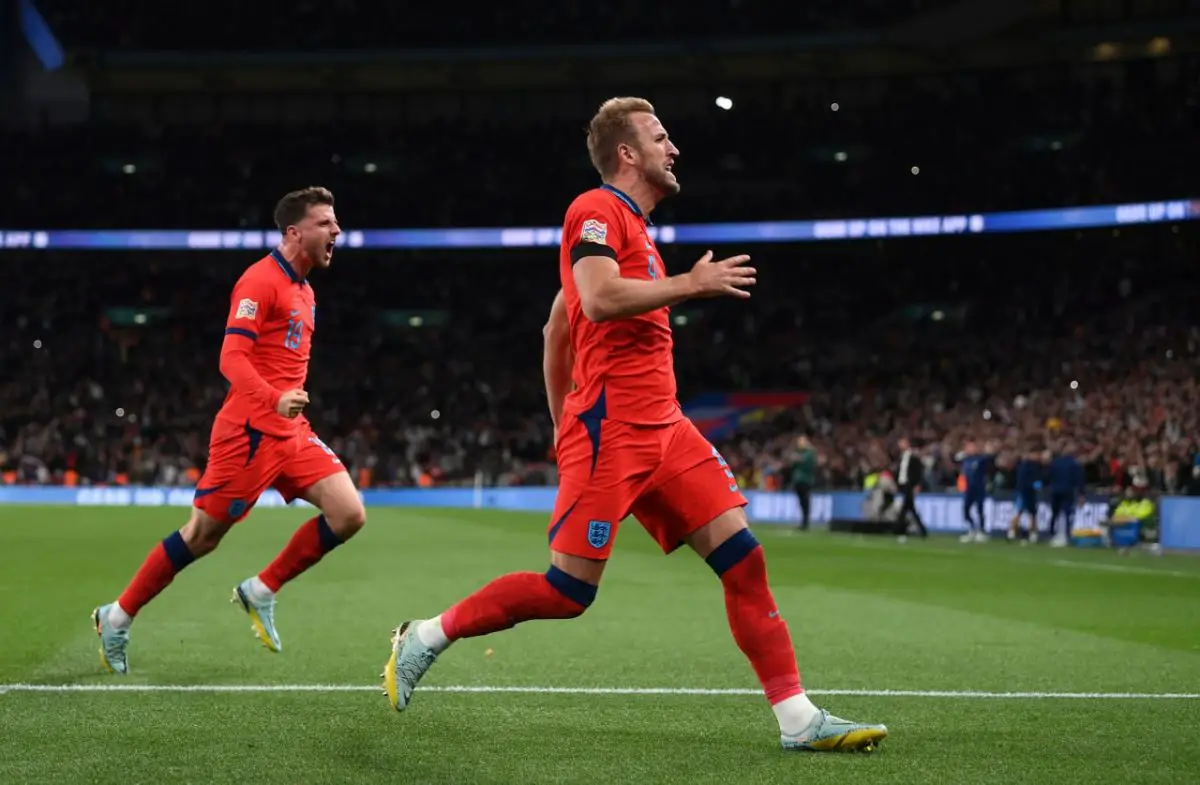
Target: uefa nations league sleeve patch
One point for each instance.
(247, 309)
(594, 232)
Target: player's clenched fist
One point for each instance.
(291, 403)
(727, 276)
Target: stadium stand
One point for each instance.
(338, 24)
(989, 141)
(111, 355)
(914, 337)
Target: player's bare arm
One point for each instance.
(605, 295)
(557, 359)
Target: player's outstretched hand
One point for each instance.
(291, 403)
(727, 276)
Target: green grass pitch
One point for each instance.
(989, 663)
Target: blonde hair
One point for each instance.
(611, 128)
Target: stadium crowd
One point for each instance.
(427, 364)
(1097, 349)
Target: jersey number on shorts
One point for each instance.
(317, 441)
(733, 486)
(295, 332)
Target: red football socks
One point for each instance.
(754, 618)
(517, 597)
(162, 564)
(166, 559)
(310, 542)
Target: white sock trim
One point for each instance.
(259, 591)
(118, 617)
(430, 633)
(795, 714)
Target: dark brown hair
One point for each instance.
(292, 208)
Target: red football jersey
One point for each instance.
(624, 368)
(268, 340)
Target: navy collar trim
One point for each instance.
(632, 205)
(286, 266)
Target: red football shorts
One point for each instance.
(669, 477)
(244, 462)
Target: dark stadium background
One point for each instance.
(180, 117)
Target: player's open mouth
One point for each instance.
(329, 248)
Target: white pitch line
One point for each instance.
(1121, 568)
(235, 688)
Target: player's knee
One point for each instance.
(358, 518)
(340, 504)
(347, 520)
(580, 593)
(741, 547)
(202, 533)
